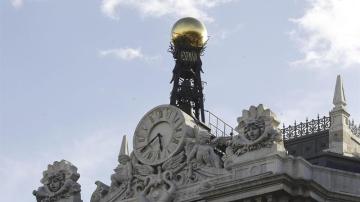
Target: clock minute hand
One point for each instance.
(151, 141)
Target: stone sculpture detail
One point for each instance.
(257, 128)
(196, 161)
(201, 160)
(201, 151)
(158, 188)
(123, 172)
(101, 191)
(59, 182)
(121, 180)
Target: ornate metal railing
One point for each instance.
(220, 128)
(309, 127)
(354, 128)
(217, 126)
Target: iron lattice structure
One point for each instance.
(187, 93)
(354, 128)
(307, 128)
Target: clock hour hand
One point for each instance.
(161, 146)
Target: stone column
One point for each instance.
(339, 132)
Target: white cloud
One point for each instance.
(158, 8)
(128, 54)
(17, 3)
(123, 53)
(222, 34)
(329, 33)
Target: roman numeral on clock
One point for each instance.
(178, 128)
(168, 113)
(174, 140)
(149, 155)
(176, 117)
(140, 139)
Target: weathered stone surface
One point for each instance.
(341, 138)
(339, 99)
(123, 172)
(258, 136)
(59, 184)
(194, 161)
(254, 167)
(101, 191)
(293, 175)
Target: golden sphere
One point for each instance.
(192, 29)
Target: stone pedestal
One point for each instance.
(275, 149)
(339, 132)
(341, 139)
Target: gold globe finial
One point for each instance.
(190, 28)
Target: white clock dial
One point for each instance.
(160, 134)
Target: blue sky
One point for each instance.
(78, 75)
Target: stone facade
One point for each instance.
(255, 165)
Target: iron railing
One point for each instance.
(220, 128)
(354, 128)
(309, 127)
(217, 126)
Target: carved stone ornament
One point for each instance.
(170, 151)
(101, 191)
(257, 128)
(59, 182)
(158, 188)
(201, 160)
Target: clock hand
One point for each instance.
(151, 141)
(160, 136)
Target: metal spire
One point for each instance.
(339, 95)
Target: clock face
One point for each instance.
(159, 135)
